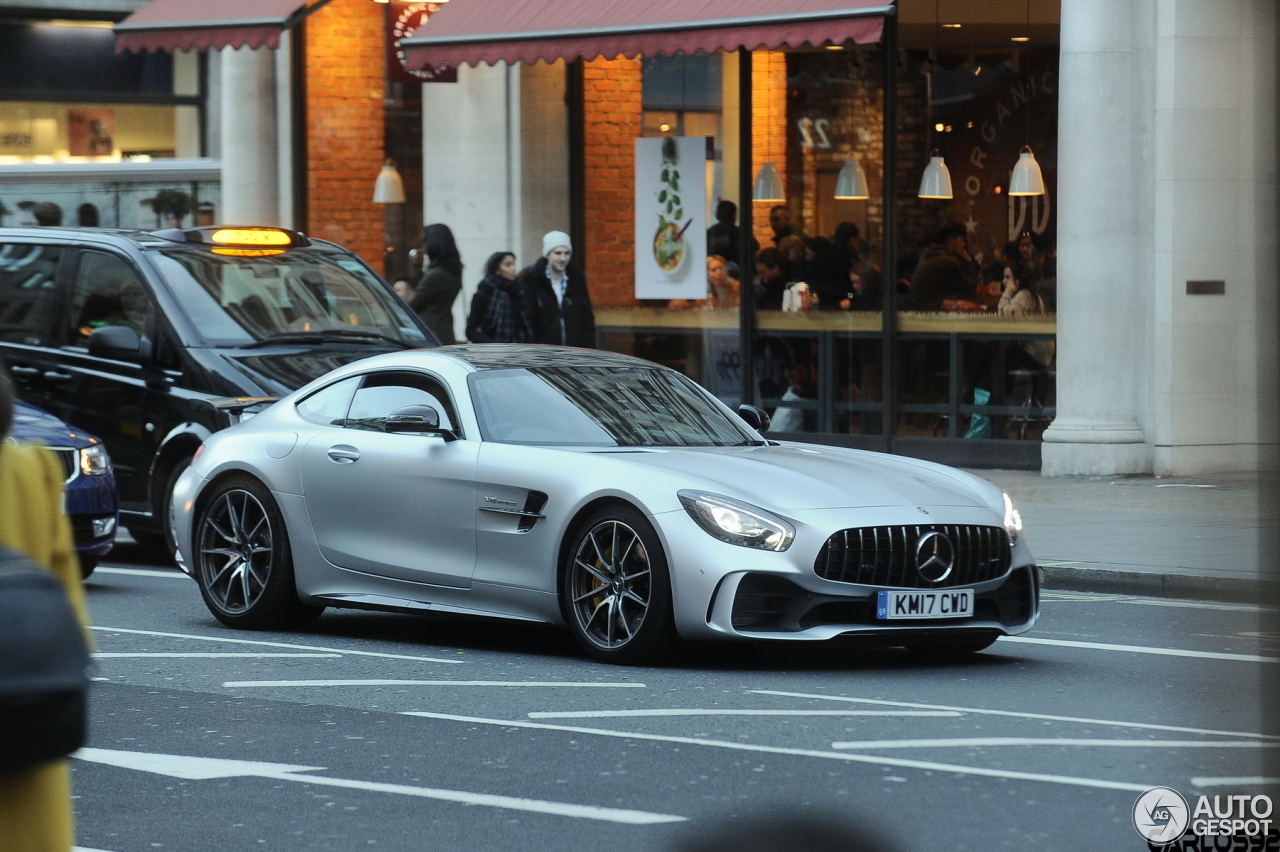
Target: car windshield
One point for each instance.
(601, 406)
(235, 300)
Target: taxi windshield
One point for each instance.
(286, 297)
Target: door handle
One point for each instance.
(55, 376)
(21, 372)
(343, 454)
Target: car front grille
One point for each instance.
(69, 459)
(886, 556)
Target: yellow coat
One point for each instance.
(35, 806)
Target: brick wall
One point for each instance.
(769, 131)
(345, 88)
(612, 108)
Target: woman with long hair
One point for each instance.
(441, 282)
(1021, 293)
(498, 312)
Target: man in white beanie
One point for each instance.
(556, 291)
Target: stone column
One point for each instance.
(1104, 222)
(249, 167)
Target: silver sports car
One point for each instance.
(594, 490)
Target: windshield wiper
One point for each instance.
(331, 334)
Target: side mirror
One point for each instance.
(118, 342)
(756, 418)
(419, 420)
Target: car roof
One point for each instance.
(167, 238)
(508, 356)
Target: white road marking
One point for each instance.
(877, 760)
(143, 572)
(984, 742)
(1019, 715)
(203, 768)
(85, 849)
(236, 684)
(259, 642)
(210, 656)
(616, 714)
(1142, 649)
(1242, 781)
(1088, 597)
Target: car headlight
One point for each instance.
(94, 461)
(1012, 519)
(737, 522)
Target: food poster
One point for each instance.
(91, 132)
(671, 226)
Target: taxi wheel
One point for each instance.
(243, 563)
(615, 588)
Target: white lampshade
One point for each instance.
(768, 185)
(851, 184)
(389, 188)
(936, 182)
(1027, 179)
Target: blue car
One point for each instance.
(91, 499)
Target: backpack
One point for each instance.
(44, 667)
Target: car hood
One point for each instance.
(790, 477)
(34, 424)
(283, 369)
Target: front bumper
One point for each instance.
(725, 591)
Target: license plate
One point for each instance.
(951, 603)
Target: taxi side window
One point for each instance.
(28, 292)
(328, 406)
(383, 393)
(107, 292)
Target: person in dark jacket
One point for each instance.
(498, 313)
(946, 272)
(723, 236)
(441, 282)
(555, 292)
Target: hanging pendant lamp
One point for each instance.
(388, 188)
(1027, 179)
(768, 185)
(936, 182)
(851, 184)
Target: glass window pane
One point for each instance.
(28, 292)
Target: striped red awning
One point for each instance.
(209, 24)
(489, 31)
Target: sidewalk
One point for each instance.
(1211, 537)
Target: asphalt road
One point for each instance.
(391, 732)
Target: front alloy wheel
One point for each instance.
(617, 589)
(243, 563)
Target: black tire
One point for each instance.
(952, 647)
(87, 564)
(616, 589)
(242, 560)
(163, 541)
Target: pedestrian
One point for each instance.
(48, 214)
(35, 804)
(498, 313)
(555, 291)
(403, 288)
(441, 282)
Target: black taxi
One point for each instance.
(154, 340)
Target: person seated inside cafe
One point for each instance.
(946, 278)
(771, 279)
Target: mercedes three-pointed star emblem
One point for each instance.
(934, 556)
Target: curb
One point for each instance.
(1157, 585)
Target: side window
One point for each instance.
(28, 292)
(106, 292)
(383, 393)
(328, 406)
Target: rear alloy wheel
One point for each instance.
(243, 564)
(616, 589)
